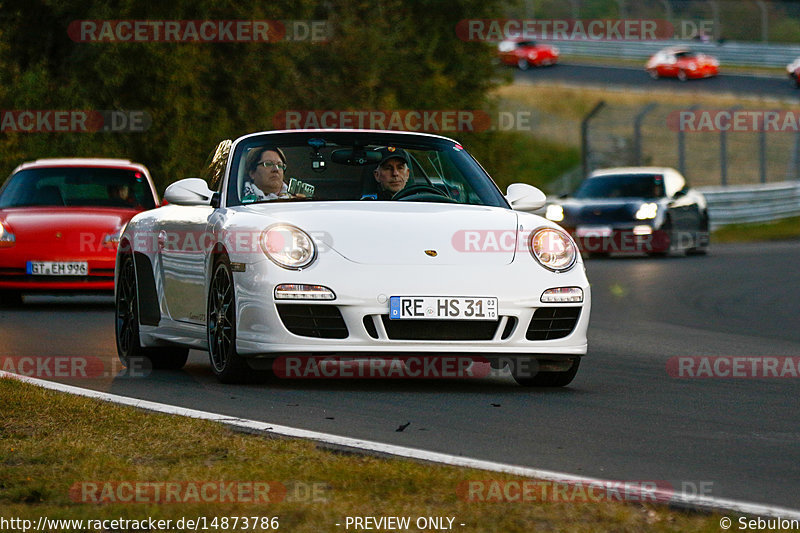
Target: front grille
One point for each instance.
(313, 320)
(440, 330)
(603, 215)
(552, 323)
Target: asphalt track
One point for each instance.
(573, 73)
(623, 418)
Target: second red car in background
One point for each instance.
(526, 53)
(682, 63)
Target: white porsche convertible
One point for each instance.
(365, 244)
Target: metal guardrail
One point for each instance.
(728, 53)
(736, 204)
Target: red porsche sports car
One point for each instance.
(525, 54)
(682, 63)
(60, 221)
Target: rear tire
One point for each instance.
(227, 364)
(523, 64)
(653, 73)
(129, 349)
(682, 75)
(549, 379)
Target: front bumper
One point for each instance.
(362, 307)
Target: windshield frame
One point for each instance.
(346, 138)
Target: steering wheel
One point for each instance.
(423, 193)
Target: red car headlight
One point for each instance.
(7, 239)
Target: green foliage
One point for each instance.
(388, 55)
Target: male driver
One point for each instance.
(392, 172)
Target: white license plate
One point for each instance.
(442, 307)
(594, 231)
(58, 268)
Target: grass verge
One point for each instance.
(53, 443)
(785, 229)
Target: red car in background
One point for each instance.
(525, 53)
(793, 69)
(682, 63)
(60, 222)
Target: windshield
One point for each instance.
(336, 166)
(622, 186)
(78, 187)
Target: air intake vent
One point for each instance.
(550, 323)
(313, 320)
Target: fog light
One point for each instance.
(562, 295)
(292, 291)
(642, 230)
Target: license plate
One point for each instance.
(442, 307)
(58, 268)
(594, 231)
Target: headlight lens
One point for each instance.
(555, 213)
(288, 246)
(647, 211)
(553, 249)
(7, 239)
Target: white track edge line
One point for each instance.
(645, 495)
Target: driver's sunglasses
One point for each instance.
(270, 164)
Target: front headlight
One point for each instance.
(553, 249)
(7, 239)
(554, 212)
(288, 246)
(647, 211)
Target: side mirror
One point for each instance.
(681, 193)
(524, 197)
(189, 191)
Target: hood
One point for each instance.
(400, 233)
(62, 226)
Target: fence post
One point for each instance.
(764, 21)
(723, 149)
(585, 136)
(762, 149)
(682, 144)
(637, 131)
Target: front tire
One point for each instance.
(129, 349)
(10, 299)
(227, 364)
(682, 75)
(523, 64)
(548, 379)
